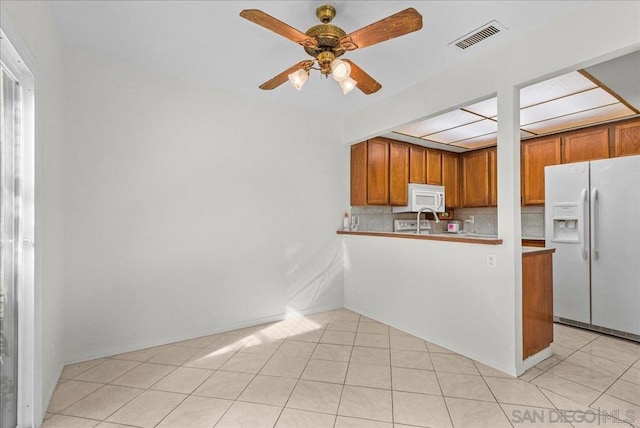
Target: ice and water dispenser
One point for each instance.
(567, 218)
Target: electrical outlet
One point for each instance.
(470, 219)
(491, 261)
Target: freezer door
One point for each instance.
(615, 243)
(566, 206)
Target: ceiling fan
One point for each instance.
(326, 42)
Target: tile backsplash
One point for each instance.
(533, 222)
(380, 219)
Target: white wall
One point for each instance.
(456, 273)
(30, 27)
(440, 291)
(192, 210)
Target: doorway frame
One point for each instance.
(27, 412)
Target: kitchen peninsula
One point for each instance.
(537, 288)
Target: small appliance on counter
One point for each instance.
(411, 226)
(454, 226)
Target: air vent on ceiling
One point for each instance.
(491, 29)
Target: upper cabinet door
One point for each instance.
(377, 172)
(359, 174)
(493, 177)
(535, 156)
(451, 179)
(398, 173)
(627, 139)
(434, 167)
(417, 164)
(586, 146)
(475, 179)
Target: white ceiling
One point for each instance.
(209, 42)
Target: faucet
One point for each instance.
(422, 210)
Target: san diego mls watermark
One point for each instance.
(595, 417)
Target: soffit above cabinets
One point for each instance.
(567, 101)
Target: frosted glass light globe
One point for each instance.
(340, 70)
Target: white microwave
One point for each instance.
(423, 196)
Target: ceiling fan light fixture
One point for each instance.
(347, 85)
(298, 78)
(340, 70)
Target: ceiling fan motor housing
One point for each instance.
(328, 37)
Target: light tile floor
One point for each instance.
(340, 369)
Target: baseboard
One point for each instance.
(228, 327)
(536, 358)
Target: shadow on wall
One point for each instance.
(316, 280)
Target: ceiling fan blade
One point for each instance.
(270, 23)
(366, 83)
(399, 24)
(282, 77)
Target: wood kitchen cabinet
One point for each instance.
(377, 171)
(434, 167)
(359, 174)
(475, 178)
(451, 179)
(537, 301)
(417, 164)
(536, 154)
(585, 145)
(493, 177)
(627, 139)
(398, 173)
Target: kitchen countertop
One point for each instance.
(536, 250)
(452, 237)
(466, 238)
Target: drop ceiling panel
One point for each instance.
(437, 124)
(601, 114)
(486, 108)
(568, 105)
(557, 87)
(478, 142)
(465, 132)
(485, 140)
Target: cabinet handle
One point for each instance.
(594, 234)
(585, 225)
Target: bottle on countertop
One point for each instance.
(345, 221)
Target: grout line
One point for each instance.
(598, 335)
(493, 394)
(446, 406)
(299, 377)
(614, 382)
(252, 379)
(393, 417)
(347, 373)
(110, 414)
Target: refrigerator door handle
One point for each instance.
(594, 233)
(585, 226)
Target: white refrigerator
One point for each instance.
(592, 219)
